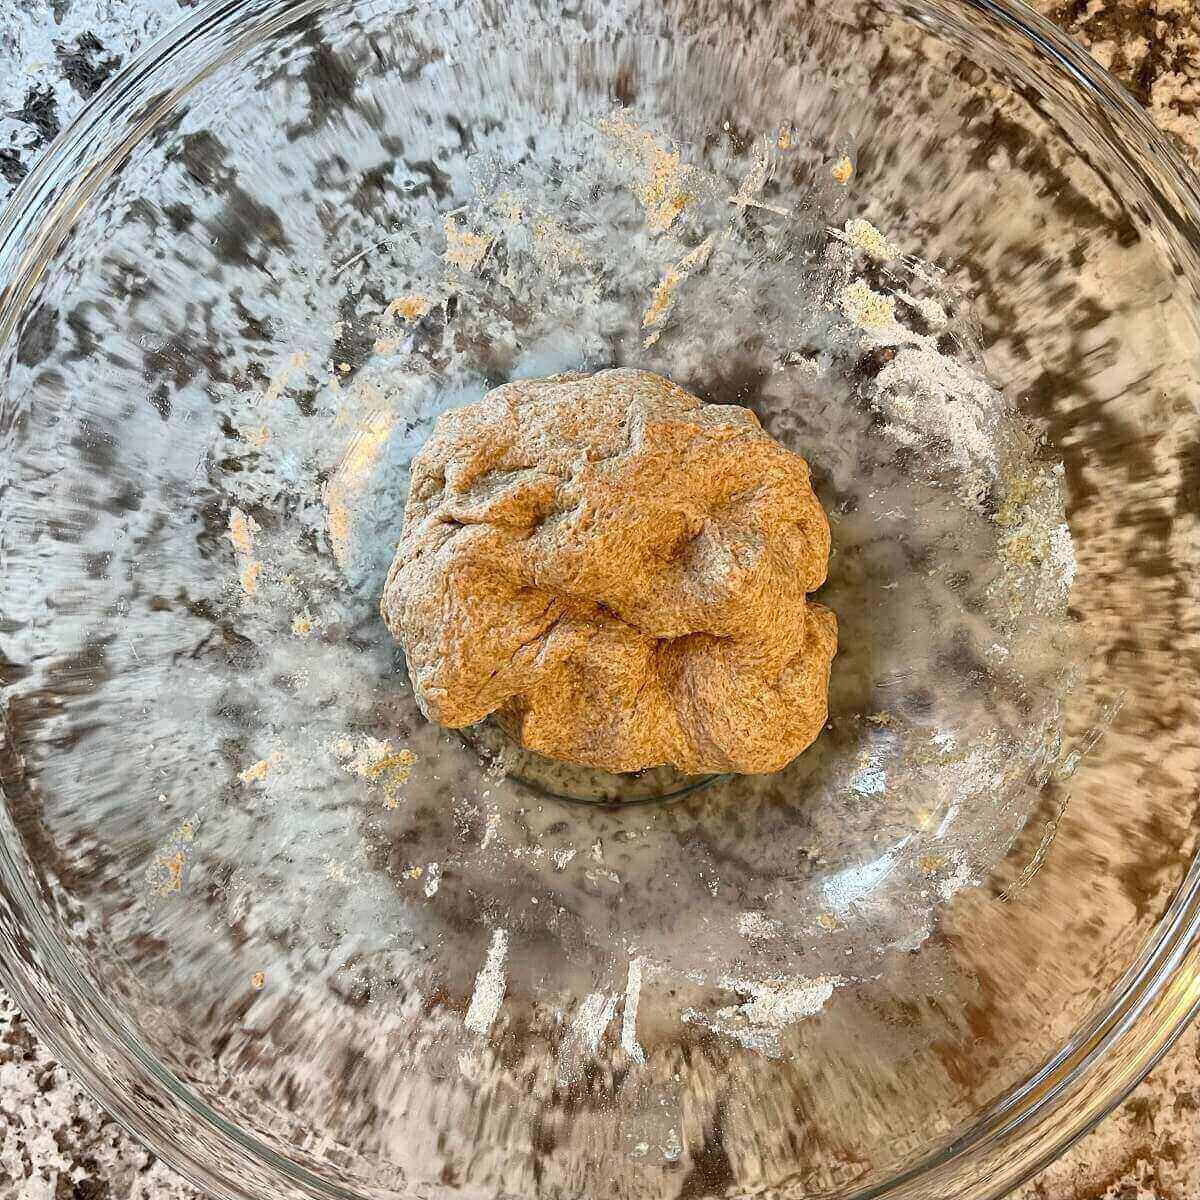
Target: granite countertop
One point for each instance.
(55, 1144)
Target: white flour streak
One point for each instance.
(433, 879)
(633, 994)
(870, 781)
(490, 986)
(758, 927)
(595, 1012)
(941, 397)
(490, 830)
(1062, 558)
(772, 1005)
(958, 879)
(779, 1003)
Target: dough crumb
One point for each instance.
(662, 177)
(864, 236)
(869, 310)
(250, 575)
(408, 308)
(258, 771)
(166, 874)
(664, 294)
(241, 531)
(464, 248)
(374, 760)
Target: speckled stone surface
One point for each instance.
(54, 1143)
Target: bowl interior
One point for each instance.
(379, 958)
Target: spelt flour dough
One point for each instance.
(619, 573)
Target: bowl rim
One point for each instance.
(1020, 1132)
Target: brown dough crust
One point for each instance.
(619, 573)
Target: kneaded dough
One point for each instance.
(619, 573)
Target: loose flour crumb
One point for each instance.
(864, 236)
(866, 308)
(241, 532)
(408, 308)
(257, 772)
(250, 577)
(465, 249)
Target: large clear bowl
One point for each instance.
(304, 944)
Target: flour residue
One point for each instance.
(257, 772)
(167, 869)
(633, 995)
(758, 927)
(662, 180)
(592, 1018)
(769, 1008)
(283, 376)
(870, 310)
(862, 235)
(664, 294)
(433, 880)
(490, 986)
(241, 532)
(465, 249)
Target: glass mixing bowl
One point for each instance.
(304, 944)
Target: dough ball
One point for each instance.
(618, 573)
